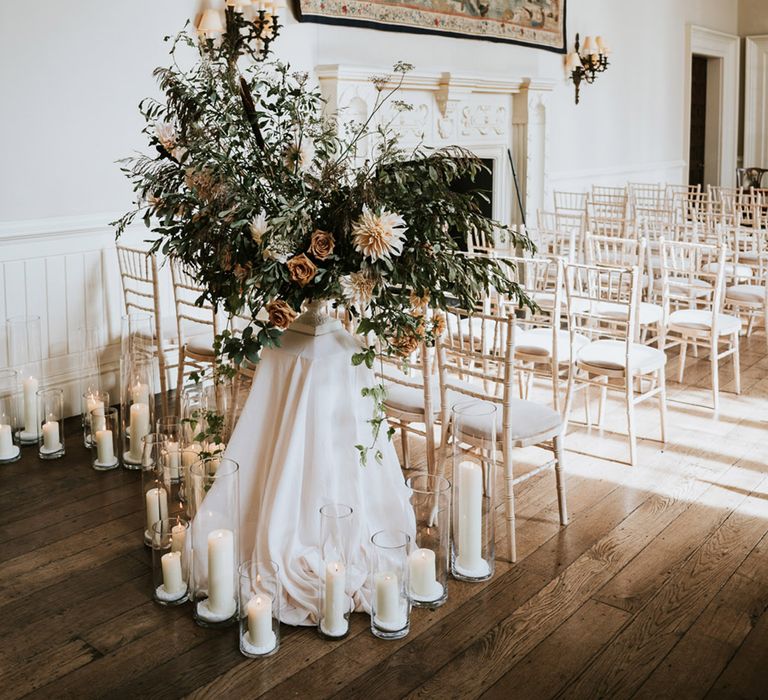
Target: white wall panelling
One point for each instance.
(65, 271)
(756, 102)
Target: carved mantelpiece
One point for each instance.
(485, 115)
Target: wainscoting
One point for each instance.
(65, 271)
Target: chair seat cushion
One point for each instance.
(538, 342)
(752, 293)
(649, 313)
(731, 269)
(701, 320)
(528, 419)
(408, 399)
(612, 355)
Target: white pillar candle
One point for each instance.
(6, 442)
(139, 427)
(173, 580)
(178, 535)
(157, 506)
(30, 385)
(423, 576)
(99, 421)
(221, 571)
(260, 632)
(140, 393)
(172, 450)
(387, 597)
(334, 605)
(470, 517)
(105, 453)
(51, 441)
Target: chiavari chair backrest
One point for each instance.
(616, 252)
(603, 302)
(476, 356)
(571, 202)
(556, 236)
(685, 200)
(646, 195)
(693, 276)
(610, 226)
(194, 315)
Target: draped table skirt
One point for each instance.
(295, 444)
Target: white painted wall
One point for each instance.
(73, 72)
(753, 17)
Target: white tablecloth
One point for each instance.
(295, 444)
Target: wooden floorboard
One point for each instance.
(657, 588)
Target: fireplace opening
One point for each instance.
(481, 190)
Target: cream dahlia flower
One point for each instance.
(166, 135)
(379, 235)
(357, 288)
(259, 226)
(299, 156)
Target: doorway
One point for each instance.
(704, 142)
(698, 139)
(712, 107)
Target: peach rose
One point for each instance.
(302, 269)
(280, 314)
(322, 244)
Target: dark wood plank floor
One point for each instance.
(658, 588)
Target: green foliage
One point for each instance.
(245, 166)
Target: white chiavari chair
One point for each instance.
(613, 359)
(685, 201)
(543, 349)
(412, 399)
(748, 299)
(694, 318)
(140, 280)
(646, 195)
(468, 371)
(197, 323)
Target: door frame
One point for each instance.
(756, 102)
(701, 41)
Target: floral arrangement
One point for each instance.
(271, 204)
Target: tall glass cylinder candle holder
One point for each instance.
(170, 468)
(170, 572)
(90, 345)
(9, 416)
(391, 603)
(473, 429)
(105, 445)
(334, 601)
(191, 414)
(429, 561)
(259, 608)
(25, 355)
(214, 490)
(137, 406)
(137, 334)
(154, 493)
(170, 426)
(51, 422)
(91, 400)
(188, 455)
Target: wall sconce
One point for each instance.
(585, 64)
(241, 34)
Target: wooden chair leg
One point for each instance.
(557, 443)
(163, 382)
(404, 445)
(630, 396)
(601, 405)
(663, 404)
(714, 369)
(180, 380)
(510, 505)
(681, 368)
(736, 363)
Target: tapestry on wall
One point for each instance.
(539, 23)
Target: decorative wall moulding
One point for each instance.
(539, 24)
